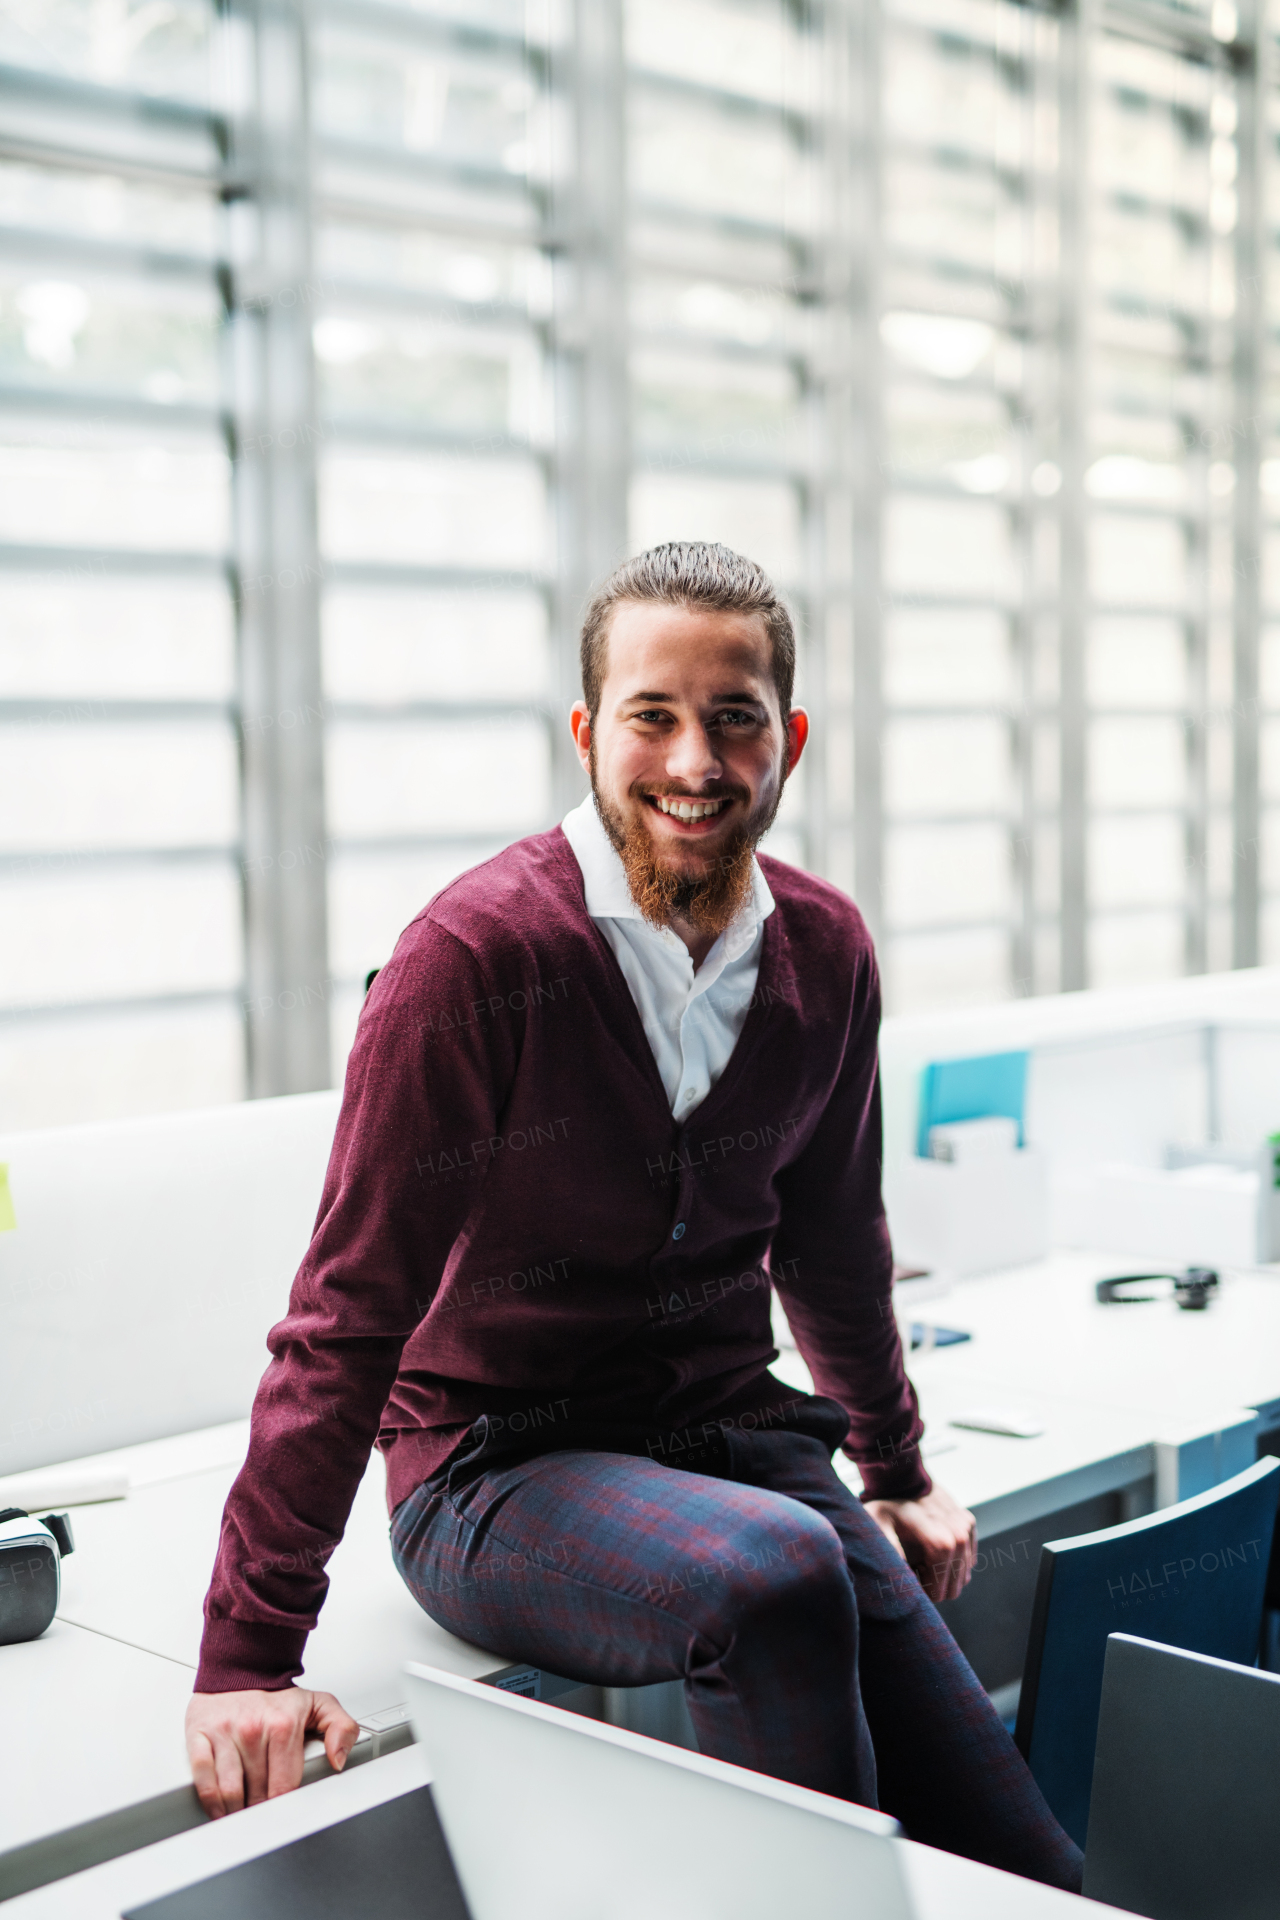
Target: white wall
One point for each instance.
(149, 1261)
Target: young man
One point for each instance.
(613, 1088)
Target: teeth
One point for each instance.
(688, 809)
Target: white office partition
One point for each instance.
(1247, 1076)
(1114, 1079)
(1119, 1096)
(1206, 1056)
(149, 1260)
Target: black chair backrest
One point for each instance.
(1185, 1816)
(1192, 1575)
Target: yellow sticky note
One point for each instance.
(8, 1218)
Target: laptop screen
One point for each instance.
(551, 1816)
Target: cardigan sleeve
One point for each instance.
(425, 1075)
(832, 1264)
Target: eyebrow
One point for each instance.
(735, 698)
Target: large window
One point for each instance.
(121, 964)
(432, 153)
(345, 343)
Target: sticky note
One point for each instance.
(8, 1218)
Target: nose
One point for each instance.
(692, 756)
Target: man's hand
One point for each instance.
(246, 1747)
(935, 1536)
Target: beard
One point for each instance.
(708, 900)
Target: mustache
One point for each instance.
(672, 790)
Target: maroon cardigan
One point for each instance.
(514, 1224)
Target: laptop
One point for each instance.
(536, 1813)
(551, 1816)
(1186, 1786)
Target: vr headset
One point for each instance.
(31, 1554)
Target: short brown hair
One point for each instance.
(692, 573)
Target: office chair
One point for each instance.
(1186, 1786)
(1192, 1576)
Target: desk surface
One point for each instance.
(142, 1565)
(1084, 1450)
(128, 1636)
(945, 1888)
(1040, 1332)
(1104, 1382)
(91, 1726)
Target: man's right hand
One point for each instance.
(247, 1747)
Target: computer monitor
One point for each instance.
(552, 1816)
(1186, 1786)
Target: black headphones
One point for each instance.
(1192, 1290)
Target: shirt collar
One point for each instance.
(609, 897)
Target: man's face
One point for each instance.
(689, 753)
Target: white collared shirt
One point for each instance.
(692, 1020)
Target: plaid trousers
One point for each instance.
(807, 1649)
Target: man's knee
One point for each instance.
(774, 1570)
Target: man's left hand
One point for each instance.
(935, 1536)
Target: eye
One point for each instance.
(737, 717)
(653, 715)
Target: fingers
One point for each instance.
(246, 1747)
(334, 1723)
(228, 1760)
(968, 1555)
(953, 1570)
(936, 1536)
(882, 1512)
(890, 1533)
(942, 1557)
(951, 1561)
(204, 1773)
(951, 1576)
(947, 1537)
(934, 1574)
(285, 1740)
(216, 1767)
(250, 1739)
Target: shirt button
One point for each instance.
(677, 1232)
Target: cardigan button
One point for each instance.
(677, 1232)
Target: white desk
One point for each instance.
(370, 1624)
(1084, 1450)
(101, 1697)
(1115, 1387)
(945, 1887)
(1041, 1332)
(1202, 1384)
(91, 1726)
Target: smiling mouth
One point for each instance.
(683, 807)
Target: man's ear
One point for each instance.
(797, 734)
(580, 727)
